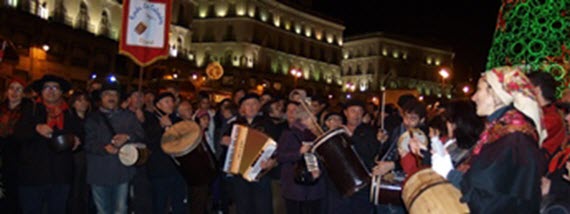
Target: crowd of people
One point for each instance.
(506, 148)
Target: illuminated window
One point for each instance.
(13, 3)
(437, 62)
(429, 60)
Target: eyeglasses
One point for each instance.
(51, 87)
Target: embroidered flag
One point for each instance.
(145, 30)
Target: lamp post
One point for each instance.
(444, 75)
(33, 55)
(296, 74)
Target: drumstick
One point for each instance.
(312, 118)
(382, 107)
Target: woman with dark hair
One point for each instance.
(461, 130)
(79, 194)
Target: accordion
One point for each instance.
(247, 150)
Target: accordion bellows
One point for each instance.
(247, 150)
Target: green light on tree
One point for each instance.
(534, 33)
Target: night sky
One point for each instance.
(465, 26)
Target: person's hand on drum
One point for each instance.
(76, 143)
(109, 148)
(268, 164)
(119, 139)
(44, 130)
(165, 121)
(304, 148)
(545, 185)
(382, 136)
(226, 140)
(382, 167)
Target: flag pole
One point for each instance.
(141, 70)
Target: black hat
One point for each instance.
(111, 86)
(330, 114)
(354, 102)
(249, 96)
(38, 85)
(163, 95)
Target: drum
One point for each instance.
(133, 154)
(346, 169)
(428, 192)
(183, 141)
(61, 141)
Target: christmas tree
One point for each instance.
(536, 34)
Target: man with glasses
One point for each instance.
(45, 174)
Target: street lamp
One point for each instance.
(45, 47)
(444, 75)
(296, 74)
(466, 89)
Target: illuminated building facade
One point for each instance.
(372, 59)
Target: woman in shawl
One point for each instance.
(504, 171)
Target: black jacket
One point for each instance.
(38, 164)
(159, 163)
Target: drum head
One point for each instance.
(181, 138)
(404, 140)
(326, 136)
(128, 154)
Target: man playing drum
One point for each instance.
(167, 182)
(107, 129)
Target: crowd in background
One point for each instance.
(506, 148)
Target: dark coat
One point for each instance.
(504, 177)
(287, 155)
(159, 163)
(38, 164)
(104, 168)
(365, 144)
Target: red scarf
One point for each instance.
(55, 115)
(8, 119)
(559, 160)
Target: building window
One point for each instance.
(104, 24)
(13, 3)
(83, 17)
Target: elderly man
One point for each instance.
(107, 129)
(45, 174)
(252, 197)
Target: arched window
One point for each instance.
(83, 17)
(104, 24)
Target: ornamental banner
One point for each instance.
(144, 30)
